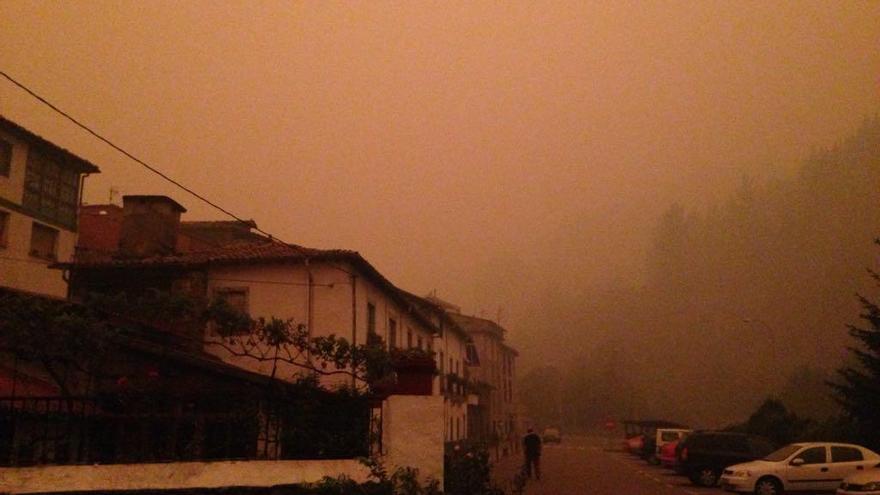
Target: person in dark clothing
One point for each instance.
(532, 451)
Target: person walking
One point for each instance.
(532, 450)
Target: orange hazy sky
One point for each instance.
(503, 153)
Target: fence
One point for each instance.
(137, 429)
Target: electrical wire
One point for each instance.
(153, 169)
(133, 157)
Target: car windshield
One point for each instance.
(782, 454)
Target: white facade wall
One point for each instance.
(324, 305)
(413, 434)
(498, 368)
(18, 269)
(451, 355)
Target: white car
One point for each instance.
(865, 483)
(814, 466)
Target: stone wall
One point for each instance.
(178, 475)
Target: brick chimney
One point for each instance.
(149, 226)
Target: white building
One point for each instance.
(40, 189)
(451, 355)
(329, 291)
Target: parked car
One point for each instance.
(551, 435)
(667, 455)
(813, 466)
(634, 444)
(703, 455)
(862, 483)
(665, 436)
(647, 430)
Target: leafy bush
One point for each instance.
(468, 472)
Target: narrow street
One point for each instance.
(583, 465)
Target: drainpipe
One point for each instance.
(310, 297)
(353, 279)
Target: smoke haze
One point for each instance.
(519, 158)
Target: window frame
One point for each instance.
(392, 333)
(218, 292)
(845, 448)
(800, 455)
(5, 221)
(33, 253)
(6, 152)
(371, 318)
(51, 189)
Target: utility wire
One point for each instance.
(132, 157)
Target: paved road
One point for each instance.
(583, 466)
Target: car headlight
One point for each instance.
(742, 474)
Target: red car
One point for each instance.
(634, 445)
(667, 455)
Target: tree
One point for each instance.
(70, 343)
(859, 391)
(774, 421)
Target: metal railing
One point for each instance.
(114, 430)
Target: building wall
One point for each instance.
(18, 269)
(324, 305)
(450, 355)
(412, 433)
(175, 475)
(497, 368)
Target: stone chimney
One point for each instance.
(149, 226)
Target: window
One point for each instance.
(813, 455)
(421, 342)
(392, 333)
(44, 242)
(4, 228)
(5, 157)
(237, 299)
(846, 454)
(371, 319)
(441, 362)
(50, 190)
(408, 338)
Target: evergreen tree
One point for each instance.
(859, 390)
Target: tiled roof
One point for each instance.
(80, 164)
(476, 324)
(245, 253)
(219, 224)
(238, 253)
(427, 307)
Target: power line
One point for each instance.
(131, 156)
(151, 168)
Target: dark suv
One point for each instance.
(703, 455)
